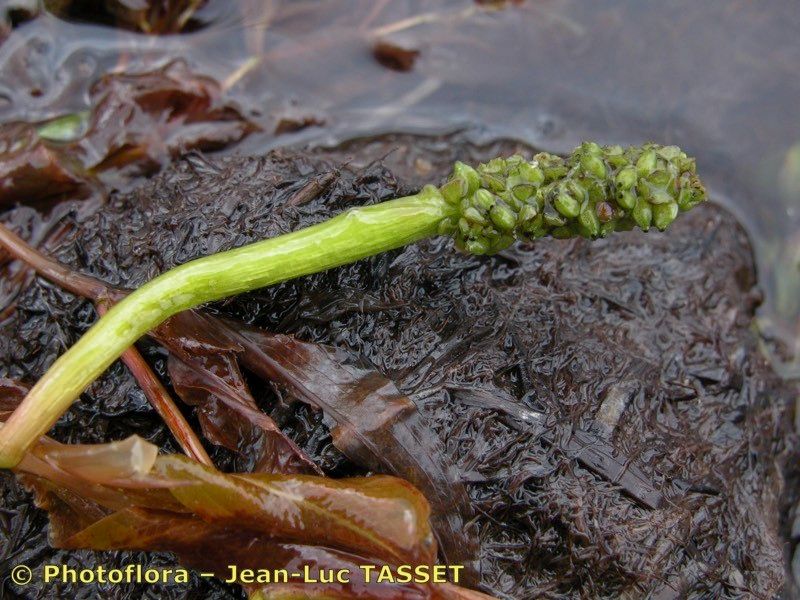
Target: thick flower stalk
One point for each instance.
(590, 193)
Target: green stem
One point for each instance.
(348, 237)
(591, 193)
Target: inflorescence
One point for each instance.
(590, 193)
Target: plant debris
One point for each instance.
(138, 122)
(146, 16)
(393, 56)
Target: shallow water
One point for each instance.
(720, 78)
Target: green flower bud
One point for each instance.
(533, 228)
(553, 167)
(660, 196)
(646, 162)
(575, 188)
(594, 190)
(468, 174)
(593, 165)
(454, 190)
(493, 181)
(552, 216)
(527, 213)
(626, 178)
(615, 157)
(522, 191)
(589, 221)
(514, 161)
(664, 214)
(447, 226)
(643, 188)
(659, 178)
(642, 214)
(685, 199)
(503, 217)
(590, 148)
(477, 246)
(483, 199)
(691, 192)
(626, 200)
(567, 205)
(531, 174)
(473, 215)
(670, 152)
(496, 166)
(686, 164)
(538, 197)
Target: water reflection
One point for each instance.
(720, 78)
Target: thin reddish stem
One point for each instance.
(102, 295)
(161, 400)
(85, 286)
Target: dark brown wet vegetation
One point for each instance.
(605, 404)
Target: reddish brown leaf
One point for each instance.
(146, 16)
(137, 123)
(11, 394)
(34, 171)
(213, 520)
(162, 112)
(374, 424)
(205, 373)
(212, 549)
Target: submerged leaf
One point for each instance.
(212, 520)
(103, 463)
(374, 423)
(136, 124)
(211, 549)
(32, 170)
(11, 394)
(382, 515)
(205, 373)
(146, 16)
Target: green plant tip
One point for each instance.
(590, 193)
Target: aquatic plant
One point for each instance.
(590, 193)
